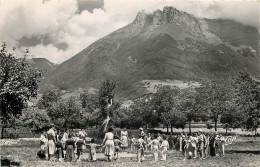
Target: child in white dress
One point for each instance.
(155, 143)
(164, 147)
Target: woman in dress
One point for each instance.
(108, 143)
(212, 145)
(124, 139)
(70, 147)
(51, 142)
(44, 145)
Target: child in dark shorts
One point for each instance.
(80, 144)
(117, 143)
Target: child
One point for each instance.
(79, 144)
(59, 146)
(164, 147)
(220, 145)
(140, 144)
(149, 139)
(155, 142)
(70, 147)
(117, 142)
(133, 143)
(92, 150)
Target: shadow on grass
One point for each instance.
(7, 162)
(243, 151)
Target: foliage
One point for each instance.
(18, 82)
(48, 98)
(106, 95)
(163, 101)
(247, 101)
(67, 113)
(33, 118)
(213, 99)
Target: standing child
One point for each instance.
(164, 147)
(92, 150)
(59, 146)
(70, 147)
(79, 144)
(117, 143)
(133, 143)
(155, 142)
(140, 144)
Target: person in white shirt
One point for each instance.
(51, 142)
(44, 144)
(164, 147)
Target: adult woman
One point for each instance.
(51, 142)
(124, 138)
(212, 145)
(44, 145)
(108, 143)
(155, 143)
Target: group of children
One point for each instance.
(70, 146)
(198, 145)
(66, 147)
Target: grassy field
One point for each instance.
(242, 152)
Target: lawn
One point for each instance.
(242, 152)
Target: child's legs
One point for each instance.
(223, 149)
(142, 154)
(155, 153)
(94, 157)
(138, 154)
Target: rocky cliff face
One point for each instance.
(195, 27)
(168, 44)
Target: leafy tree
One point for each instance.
(247, 100)
(67, 113)
(143, 108)
(106, 95)
(18, 82)
(213, 97)
(48, 98)
(163, 101)
(188, 103)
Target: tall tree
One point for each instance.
(48, 98)
(66, 113)
(105, 96)
(247, 100)
(163, 100)
(18, 82)
(213, 97)
(189, 104)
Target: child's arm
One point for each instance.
(150, 143)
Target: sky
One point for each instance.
(59, 29)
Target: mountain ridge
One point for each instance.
(167, 44)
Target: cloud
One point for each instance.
(62, 24)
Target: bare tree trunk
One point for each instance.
(189, 127)
(252, 135)
(226, 129)
(216, 122)
(167, 128)
(171, 128)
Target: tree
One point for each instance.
(67, 113)
(106, 95)
(213, 97)
(143, 108)
(163, 101)
(18, 82)
(247, 101)
(188, 104)
(48, 98)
